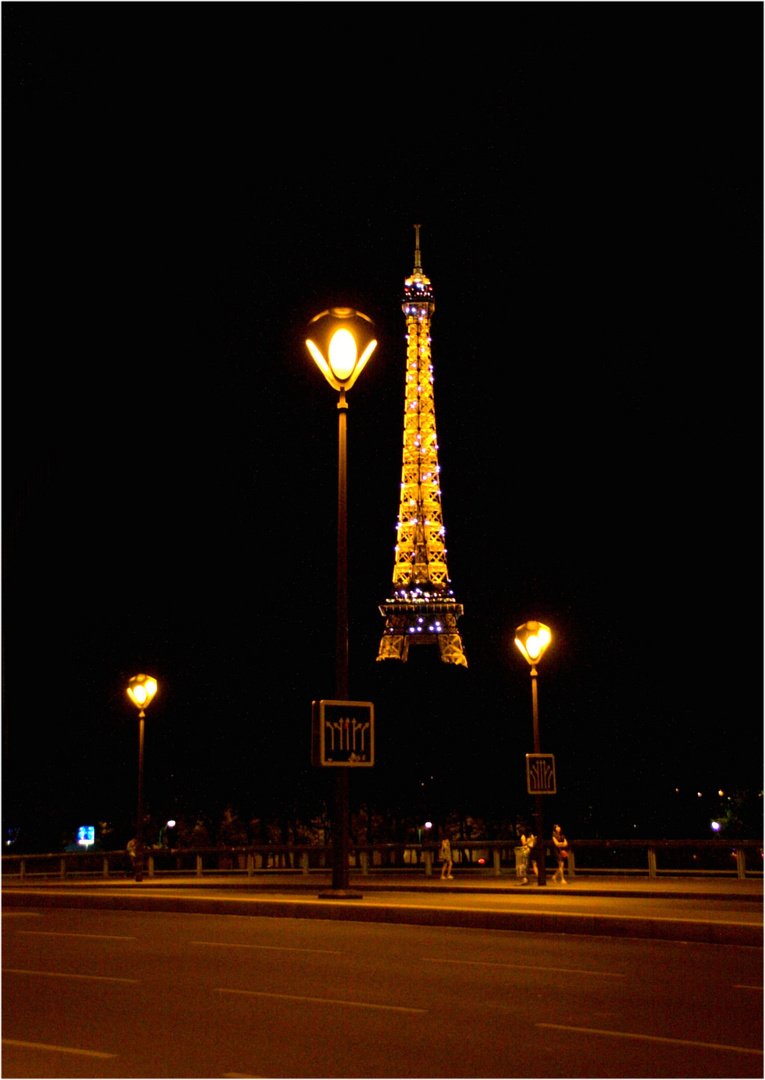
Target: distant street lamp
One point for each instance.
(532, 639)
(164, 829)
(336, 337)
(141, 689)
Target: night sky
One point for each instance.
(183, 190)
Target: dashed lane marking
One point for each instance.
(67, 933)
(652, 1038)
(272, 948)
(56, 1049)
(526, 967)
(321, 1001)
(67, 975)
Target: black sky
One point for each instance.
(183, 190)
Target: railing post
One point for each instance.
(151, 865)
(250, 863)
(304, 862)
(495, 855)
(62, 866)
(364, 860)
(428, 864)
(199, 865)
(571, 864)
(23, 868)
(651, 862)
(741, 863)
(105, 870)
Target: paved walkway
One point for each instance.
(711, 910)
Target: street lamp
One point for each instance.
(140, 689)
(532, 638)
(336, 337)
(164, 829)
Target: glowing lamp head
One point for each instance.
(342, 354)
(141, 689)
(532, 639)
(338, 334)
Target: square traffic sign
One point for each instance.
(343, 733)
(540, 774)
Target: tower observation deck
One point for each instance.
(422, 609)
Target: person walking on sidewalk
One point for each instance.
(445, 855)
(561, 853)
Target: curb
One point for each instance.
(669, 890)
(636, 926)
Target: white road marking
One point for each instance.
(652, 1038)
(66, 933)
(744, 986)
(320, 1000)
(56, 1049)
(66, 975)
(525, 967)
(273, 948)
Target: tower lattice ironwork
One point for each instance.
(422, 610)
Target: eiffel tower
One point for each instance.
(422, 610)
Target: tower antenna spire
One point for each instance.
(417, 261)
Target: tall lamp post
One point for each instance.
(336, 336)
(141, 689)
(532, 639)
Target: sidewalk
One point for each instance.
(710, 910)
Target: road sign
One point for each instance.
(540, 774)
(343, 733)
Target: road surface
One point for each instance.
(133, 994)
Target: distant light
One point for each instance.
(428, 824)
(715, 826)
(720, 792)
(699, 794)
(171, 824)
(481, 862)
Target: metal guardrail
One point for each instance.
(725, 858)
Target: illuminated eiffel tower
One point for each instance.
(422, 610)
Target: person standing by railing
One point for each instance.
(560, 845)
(131, 849)
(528, 851)
(445, 855)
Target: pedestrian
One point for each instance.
(561, 853)
(131, 851)
(528, 843)
(445, 855)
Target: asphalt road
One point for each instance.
(104, 993)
